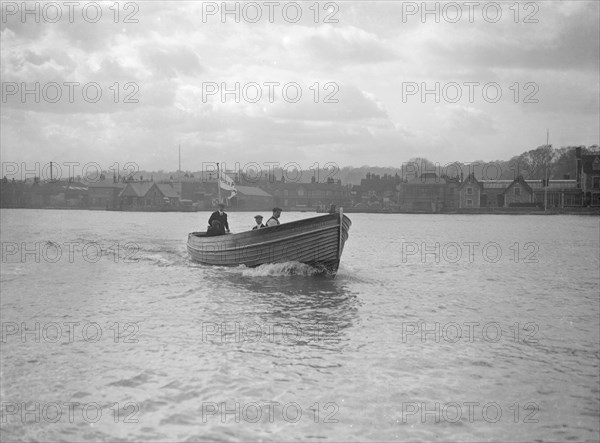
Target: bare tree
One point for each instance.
(537, 163)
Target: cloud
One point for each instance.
(467, 119)
(169, 62)
(553, 42)
(330, 103)
(346, 45)
(164, 59)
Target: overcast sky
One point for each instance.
(371, 61)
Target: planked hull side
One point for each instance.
(313, 241)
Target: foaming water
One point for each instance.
(177, 345)
(280, 269)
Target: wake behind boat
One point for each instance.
(317, 241)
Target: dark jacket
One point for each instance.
(221, 218)
(210, 232)
(215, 229)
(256, 227)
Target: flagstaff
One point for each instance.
(546, 173)
(219, 183)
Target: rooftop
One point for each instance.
(252, 191)
(168, 190)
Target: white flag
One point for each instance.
(226, 183)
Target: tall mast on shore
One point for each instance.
(219, 182)
(546, 173)
(179, 170)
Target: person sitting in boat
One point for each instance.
(216, 228)
(220, 216)
(274, 220)
(259, 223)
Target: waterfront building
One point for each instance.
(252, 198)
(56, 194)
(376, 192)
(13, 193)
(308, 196)
(104, 193)
(557, 194)
(523, 193)
(492, 193)
(470, 192)
(169, 193)
(147, 194)
(506, 193)
(429, 193)
(518, 193)
(587, 176)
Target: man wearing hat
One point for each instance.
(259, 223)
(220, 216)
(274, 220)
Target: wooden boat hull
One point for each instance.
(317, 241)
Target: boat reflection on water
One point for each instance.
(286, 299)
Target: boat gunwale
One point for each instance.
(271, 229)
(267, 242)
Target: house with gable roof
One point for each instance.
(505, 193)
(518, 192)
(252, 198)
(469, 193)
(169, 193)
(146, 194)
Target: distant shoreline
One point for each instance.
(478, 211)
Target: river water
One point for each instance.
(436, 328)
